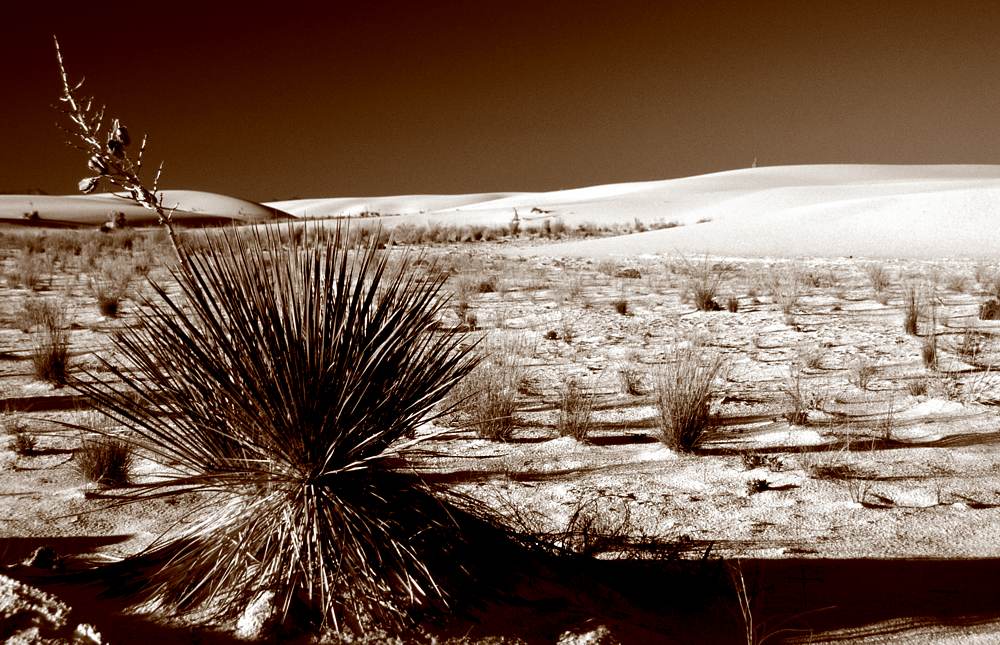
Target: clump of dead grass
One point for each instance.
(685, 388)
(576, 407)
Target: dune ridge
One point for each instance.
(832, 210)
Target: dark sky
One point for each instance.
(362, 98)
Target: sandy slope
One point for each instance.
(91, 210)
(784, 211)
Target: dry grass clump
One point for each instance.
(27, 270)
(631, 378)
(22, 442)
(928, 352)
(111, 286)
(105, 460)
(878, 276)
(576, 408)
(862, 373)
(800, 400)
(911, 309)
(684, 392)
(49, 342)
(702, 281)
(486, 399)
(990, 310)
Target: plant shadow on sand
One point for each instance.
(640, 600)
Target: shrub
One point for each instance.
(27, 271)
(487, 398)
(488, 285)
(575, 410)
(800, 401)
(50, 348)
(684, 395)
(621, 306)
(702, 282)
(22, 442)
(917, 387)
(39, 313)
(911, 310)
(105, 460)
(284, 381)
(990, 310)
(928, 352)
(862, 374)
(631, 379)
(878, 276)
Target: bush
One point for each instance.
(105, 460)
(287, 381)
(911, 310)
(487, 398)
(22, 442)
(575, 410)
(703, 282)
(878, 276)
(684, 395)
(990, 310)
(621, 306)
(631, 378)
(928, 352)
(50, 348)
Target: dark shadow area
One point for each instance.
(473, 476)
(696, 601)
(679, 593)
(852, 444)
(54, 403)
(90, 603)
(622, 440)
(16, 549)
(862, 597)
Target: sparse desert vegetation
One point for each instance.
(391, 431)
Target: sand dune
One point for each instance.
(922, 211)
(192, 207)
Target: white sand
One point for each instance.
(916, 211)
(98, 208)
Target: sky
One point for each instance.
(380, 98)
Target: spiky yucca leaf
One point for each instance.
(281, 381)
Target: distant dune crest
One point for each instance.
(921, 211)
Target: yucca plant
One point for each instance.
(284, 385)
(285, 382)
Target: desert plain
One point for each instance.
(847, 489)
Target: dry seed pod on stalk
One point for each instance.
(106, 147)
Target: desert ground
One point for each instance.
(847, 489)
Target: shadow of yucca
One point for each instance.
(284, 384)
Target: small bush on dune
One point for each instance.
(285, 383)
(685, 388)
